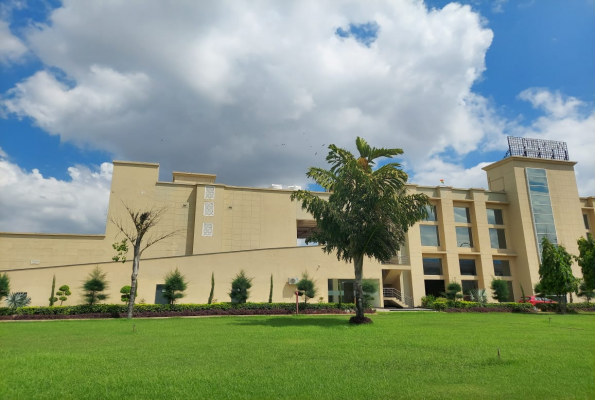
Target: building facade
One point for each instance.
(471, 236)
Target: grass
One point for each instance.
(403, 355)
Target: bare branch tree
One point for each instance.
(142, 222)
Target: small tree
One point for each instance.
(307, 287)
(4, 285)
(555, 271)
(585, 291)
(137, 234)
(586, 260)
(240, 286)
(94, 287)
(53, 298)
(16, 300)
(63, 293)
(175, 285)
(271, 291)
(125, 294)
(453, 291)
(369, 287)
(212, 288)
(500, 290)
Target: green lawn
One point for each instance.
(401, 355)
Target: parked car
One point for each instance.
(536, 300)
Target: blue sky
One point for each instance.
(545, 46)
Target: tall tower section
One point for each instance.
(540, 183)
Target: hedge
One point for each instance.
(442, 304)
(555, 307)
(166, 310)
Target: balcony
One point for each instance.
(398, 260)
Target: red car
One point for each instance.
(536, 300)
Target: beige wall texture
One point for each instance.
(223, 229)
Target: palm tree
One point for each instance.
(368, 212)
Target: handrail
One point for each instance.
(398, 260)
(396, 293)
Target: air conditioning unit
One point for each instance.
(293, 281)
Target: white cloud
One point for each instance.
(11, 47)
(34, 203)
(456, 175)
(229, 88)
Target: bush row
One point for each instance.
(570, 306)
(442, 304)
(177, 309)
(154, 314)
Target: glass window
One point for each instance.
(464, 237)
(429, 235)
(495, 216)
(497, 238)
(462, 215)
(468, 286)
(539, 190)
(330, 284)
(545, 228)
(431, 213)
(432, 266)
(467, 267)
(586, 220)
(537, 180)
(501, 268)
(544, 219)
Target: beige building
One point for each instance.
(471, 236)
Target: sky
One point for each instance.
(255, 91)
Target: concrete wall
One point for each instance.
(282, 263)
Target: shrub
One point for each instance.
(63, 292)
(53, 298)
(240, 288)
(94, 287)
(478, 295)
(307, 287)
(4, 285)
(16, 300)
(175, 285)
(500, 289)
(453, 290)
(585, 291)
(271, 291)
(369, 287)
(442, 304)
(428, 301)
(125, 293)
(212, 288)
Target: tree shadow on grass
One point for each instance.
(293, 321)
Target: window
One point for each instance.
(462, 215)
(468, 286)
(495, 216)
(464, 237)
(541, 206)
(467, 267)
(330, 284)
(431, 213)
(429, 235)
(586, 221)
(432, 266)
(497, 238)
(501, 268)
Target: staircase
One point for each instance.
(395, 296)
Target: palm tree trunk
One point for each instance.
(358, 265)
(133, 278)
